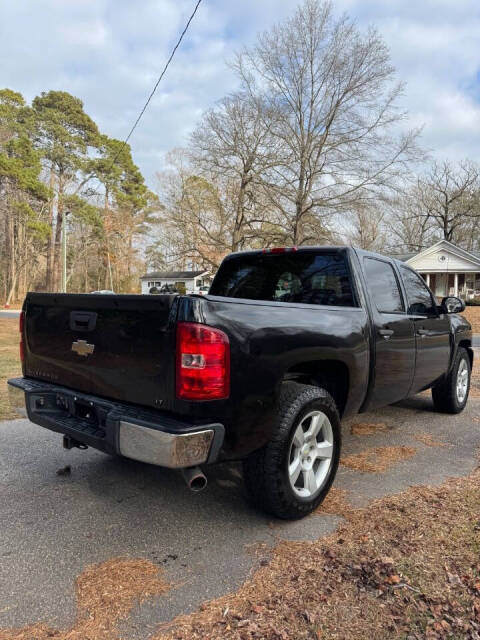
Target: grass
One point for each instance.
(9, 362)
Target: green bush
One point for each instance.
(473, 302)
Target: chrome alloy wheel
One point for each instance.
(462, 381)
(311, 454)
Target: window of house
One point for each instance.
(420, 300)
(383, 285)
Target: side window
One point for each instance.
(383, 286)
(420, 299)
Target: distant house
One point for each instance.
(447, 269)
(183, 281)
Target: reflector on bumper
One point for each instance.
(16, 398)
(162, 448)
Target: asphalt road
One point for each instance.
(9, 313)
(52, 526)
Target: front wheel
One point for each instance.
(291, 475)
(452, 394)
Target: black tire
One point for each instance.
(266, 470)
(445, 396)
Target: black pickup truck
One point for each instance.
(261, 369)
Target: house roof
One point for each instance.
(404, 257)
(463, 258)
(173, 275)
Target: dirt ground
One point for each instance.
(472, 314)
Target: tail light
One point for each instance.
(203, 362)
(21, 326)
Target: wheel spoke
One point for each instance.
(316, 423)
(309, 481)
(294, 469)
(298, 437)
(323, 450)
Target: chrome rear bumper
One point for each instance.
(162, 448)
(113, 427)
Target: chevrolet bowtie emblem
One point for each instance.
(83, 348)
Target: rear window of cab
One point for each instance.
(295, 277)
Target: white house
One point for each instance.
(183, 281)
(447, 269)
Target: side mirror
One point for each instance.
(452, 304)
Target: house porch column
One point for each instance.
(427, 279)
(456, 285)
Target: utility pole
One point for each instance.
(64, 252)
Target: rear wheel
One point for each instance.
(452, 394)
(292, 474)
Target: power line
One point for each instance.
(157, 83)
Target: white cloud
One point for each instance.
(109, 53)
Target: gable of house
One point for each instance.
(443, 257)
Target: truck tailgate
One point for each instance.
(117, 346)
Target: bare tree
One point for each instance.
(212, 197)
(194, 223)
(448, 199)
(366, 228)
(233, 147)
(334, 94)
(407, 229)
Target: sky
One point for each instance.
(109, 53)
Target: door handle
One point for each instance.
(386, 333)
(423, 332)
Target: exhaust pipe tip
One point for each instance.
(195, 479)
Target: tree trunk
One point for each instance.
(49, 274)
(239, 216)
(12, 289)
(11, 276)
(299, 205)
(57, 247)
(12, 262)
(26, 282)
(85, 261)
